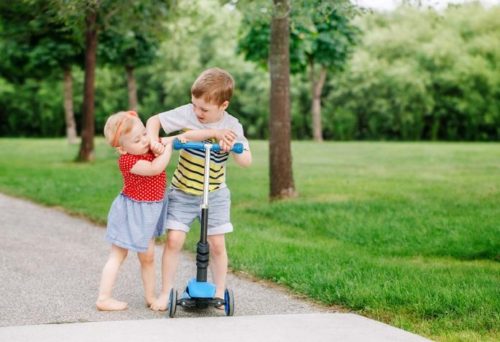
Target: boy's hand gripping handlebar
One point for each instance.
(198, 145)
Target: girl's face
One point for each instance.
(207, 112)
(136, 141)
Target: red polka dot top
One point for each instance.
(141, 188)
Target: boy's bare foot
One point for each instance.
(160, 304)
(110, 304)
(220, 298)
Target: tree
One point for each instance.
(48, 48)
(327, 48)
(93, 17)
(128, 50)
(322, 40)
(280, 157)
(86, 152)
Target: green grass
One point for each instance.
(407, 233)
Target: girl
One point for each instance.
(138, 214)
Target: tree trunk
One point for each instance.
(317, 87)
(280, 157)
(132, 88)
(69, 115)
(88, 125)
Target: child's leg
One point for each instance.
(104, 301)
(170, 259)
(218, 262)
(147, 260)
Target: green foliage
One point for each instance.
(132, 38)
(130, 49)
(406, 233)
(422, 75)
(319, 33)
(204, 36)
(35, 45)
(416, 74)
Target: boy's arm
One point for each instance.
(222, 135)
(243, 159)
(153, 126)
(225, 137)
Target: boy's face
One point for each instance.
(207, 112)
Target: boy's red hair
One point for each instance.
(214, 86)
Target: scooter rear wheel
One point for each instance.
(229, 302)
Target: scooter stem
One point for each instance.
(202, 249)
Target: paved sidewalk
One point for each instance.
(50, 266)
(276, 328)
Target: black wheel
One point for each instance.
(229, 302)
(172, 303)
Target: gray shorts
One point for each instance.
(184, 208)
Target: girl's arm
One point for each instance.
(154, 167)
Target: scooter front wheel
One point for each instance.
(172, 303)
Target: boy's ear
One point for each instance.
(224, 105)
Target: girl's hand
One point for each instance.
(170, 140)
(157, 147)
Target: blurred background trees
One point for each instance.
(412, 74)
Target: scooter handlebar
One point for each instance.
(198, 145)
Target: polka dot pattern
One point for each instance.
(141, 188)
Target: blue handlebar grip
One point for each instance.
(237, 148)
(198, 145)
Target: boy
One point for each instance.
(210, 96)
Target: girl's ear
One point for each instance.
(121, 150)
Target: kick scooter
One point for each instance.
(200, 293)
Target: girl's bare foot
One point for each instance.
(110, 304)
(160, 304)
(149, 302)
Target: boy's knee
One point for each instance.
(217, 248)
(175, 240)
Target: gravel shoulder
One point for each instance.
(50, 269)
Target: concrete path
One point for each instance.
(50, 266)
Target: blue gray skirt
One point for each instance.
(132, 224)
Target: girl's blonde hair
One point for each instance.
(117, 125)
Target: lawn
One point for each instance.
(406, 233)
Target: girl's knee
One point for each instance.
(118, 253)
(146, 258)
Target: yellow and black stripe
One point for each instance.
(188, 175)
